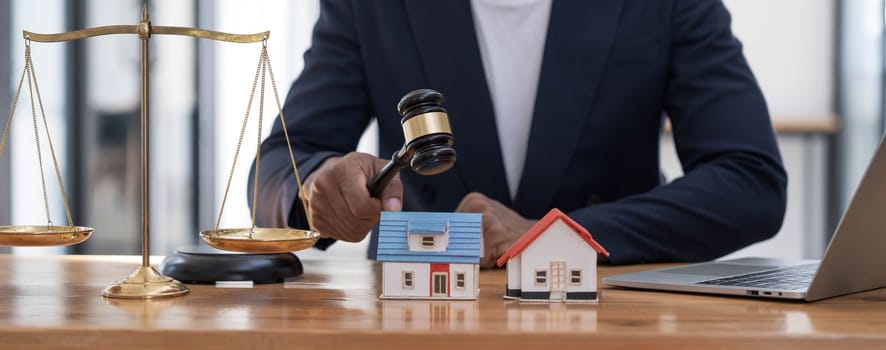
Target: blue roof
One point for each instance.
(464, 236)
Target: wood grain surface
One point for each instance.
(55, 302)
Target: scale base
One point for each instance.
(206, 265)
(145, 283)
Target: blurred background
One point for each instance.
(820, 64)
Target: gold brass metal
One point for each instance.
(145, 283)
(129, 29)
(43, 236)
(212, 35)
(260, 240)
(49, 234)
(426, 124)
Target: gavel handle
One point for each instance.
(378, 182)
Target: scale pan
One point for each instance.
(43, 235)
(262, 240)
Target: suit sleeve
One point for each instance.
(326, 112)
(734, 188)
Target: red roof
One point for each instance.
(540, 227)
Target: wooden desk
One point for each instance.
(50, 302)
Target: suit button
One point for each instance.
(428, 192)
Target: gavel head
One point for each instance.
(427, 132)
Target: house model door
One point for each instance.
(441, 285)
(558, 280)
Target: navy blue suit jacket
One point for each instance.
(611, 69)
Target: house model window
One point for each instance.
(428, 235)
(541, 277)
(408, 279)
(459, 280)
(575, 276)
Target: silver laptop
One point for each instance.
(854, 261)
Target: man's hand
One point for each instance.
(501, 225)
(339, 203)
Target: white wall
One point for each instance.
(290, 24)
(171, 112)
(49, 65)
(860, 91)
(789, 45)
(802, 234)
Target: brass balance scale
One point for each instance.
(146, 282)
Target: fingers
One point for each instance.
(353, 174)
(490, 257)
(502, 226)
(474, 202)
(487, 262)
(392, 195)
(496, 240)
(340, 205)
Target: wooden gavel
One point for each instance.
(428, 147)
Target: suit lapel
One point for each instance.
(579, 36)
(447, 44)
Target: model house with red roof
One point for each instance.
(556, 260)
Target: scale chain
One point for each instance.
(261, 113)
(34, 90)
(58, 173)
(29, 69)
(264, 70)
(221, 210)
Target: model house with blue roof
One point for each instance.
(429, 255)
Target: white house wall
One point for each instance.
(470, 289)
(559, 243)
(477, 278)
(514, 272)
(392, 277)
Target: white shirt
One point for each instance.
(511, 35)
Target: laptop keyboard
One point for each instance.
(788, 278)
